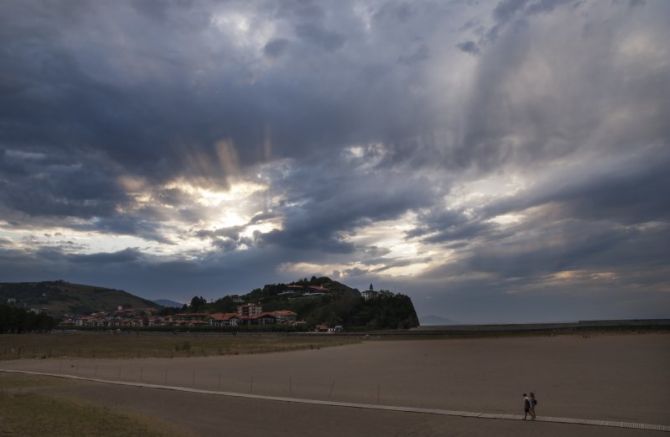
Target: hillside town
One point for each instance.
(248, 314)
(318, 304)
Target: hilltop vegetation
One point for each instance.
(19, 320)
(322, 300)
(59, 297)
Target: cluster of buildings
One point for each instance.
(11, 301)
(247, 315)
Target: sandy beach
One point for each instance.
(617, 377)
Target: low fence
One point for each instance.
(292, 385)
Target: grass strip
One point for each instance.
(31, 414)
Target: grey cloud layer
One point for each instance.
(571, 98)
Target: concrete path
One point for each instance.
(362, 406)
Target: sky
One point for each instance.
(497, 161)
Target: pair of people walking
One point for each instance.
(529, 403)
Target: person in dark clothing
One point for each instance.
(533, 402)
(526, 406)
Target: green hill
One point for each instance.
(322, 300)
(59, 297)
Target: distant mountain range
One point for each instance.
(58, 298)
(168, 303)
(432, 319)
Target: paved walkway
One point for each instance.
(434, 411)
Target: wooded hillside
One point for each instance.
(59, 297)
(322, 300)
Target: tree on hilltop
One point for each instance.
(197, 303)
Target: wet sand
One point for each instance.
(617, 377)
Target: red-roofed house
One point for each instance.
(224, 319)
(285, 316)
(265, 319)
(191, 319)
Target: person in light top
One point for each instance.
(526, 406)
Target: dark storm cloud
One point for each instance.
(276, 47)
(228, 239)
(508, 10)
(518, 115)
(440, 225)
(79, 98)
(136, 225)
(469, 47)
(48, 187)
(614, 219)
(630, 192)
(106, 102)
(232, 232)
(44, 184)
(337, 197)
(326, 39)
(102, 259)
(214, 275)
(583, 245)
(157, 108)
(421, 53)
